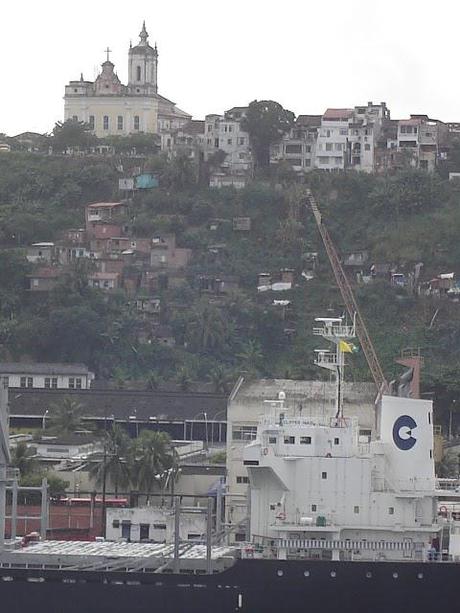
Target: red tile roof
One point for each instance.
(337, 114)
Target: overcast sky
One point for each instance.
(213, 55)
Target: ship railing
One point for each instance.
(330, 421)
(337, 331)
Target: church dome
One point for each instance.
(143, 47)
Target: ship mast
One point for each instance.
(335, 331)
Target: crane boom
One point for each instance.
(349, 299)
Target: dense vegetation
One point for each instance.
(401, 219)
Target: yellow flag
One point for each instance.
(345, 347)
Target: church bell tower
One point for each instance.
(143, 66)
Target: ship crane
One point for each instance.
(349, 300)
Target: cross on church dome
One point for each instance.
(108, 51)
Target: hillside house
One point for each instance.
(44, 279)
(46, 375)
(104, 280)
(104, 211)
(42, 253)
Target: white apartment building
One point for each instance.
(420, 138)
(45, 375)
(347, 138)
(224, 133)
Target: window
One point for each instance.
(106, 122)
(229, 141)
(230, 128)
(324, 475)
(308, 148)
(338, 147)
(343, 131)
(5, 381)
(305, 440)
(74, 117)
(244, 433)
(136, 122)
(356, 509)
(240, 537)
(328, 133)
(391, 510)
(144, 532)
(47, 382)
(272, 440)
(293, 148)
(314, 507)
(71, 382)
(116, 523)
(328, 146)
(91, 122)
(308, 162)
(159, 526)
(367, 147)
(54, 383)
(431, 454)
(23, 381)
(30, 382)
(242, 480)
(120, 122)
(241, 140)
(289, 440)
(78, 383)
(209, 128)
(138, 73)
(336, 441)
(216, 143)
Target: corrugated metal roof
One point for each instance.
(42, 368)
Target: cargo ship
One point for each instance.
(338, 523)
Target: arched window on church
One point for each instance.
(136, 122)
(138, 73)
(106, 122)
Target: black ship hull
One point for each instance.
(252, 586)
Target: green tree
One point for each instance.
(154, 458)
(266, 121)
(251, 357)
(72, 134)
(207, 329)
(115, 462)
(220, 378)
(23, 458)
(66, 417)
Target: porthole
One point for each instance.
(420, 576)
(279, 573)
(333, 573)
(306, 573)
(368, 575)
(395, 575)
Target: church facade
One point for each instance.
(113, 109)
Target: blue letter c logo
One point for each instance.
(402, 432)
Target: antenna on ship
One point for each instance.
(334, 330)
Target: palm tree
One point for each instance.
(22, 457)
(66, 417)
(115, 462)
(220, 377)
(251, 356)
(207, 328)
(154, 459)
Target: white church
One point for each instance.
(113, 109)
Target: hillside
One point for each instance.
(217, 322)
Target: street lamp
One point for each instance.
(44, 419)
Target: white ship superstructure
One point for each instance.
(316, 487)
